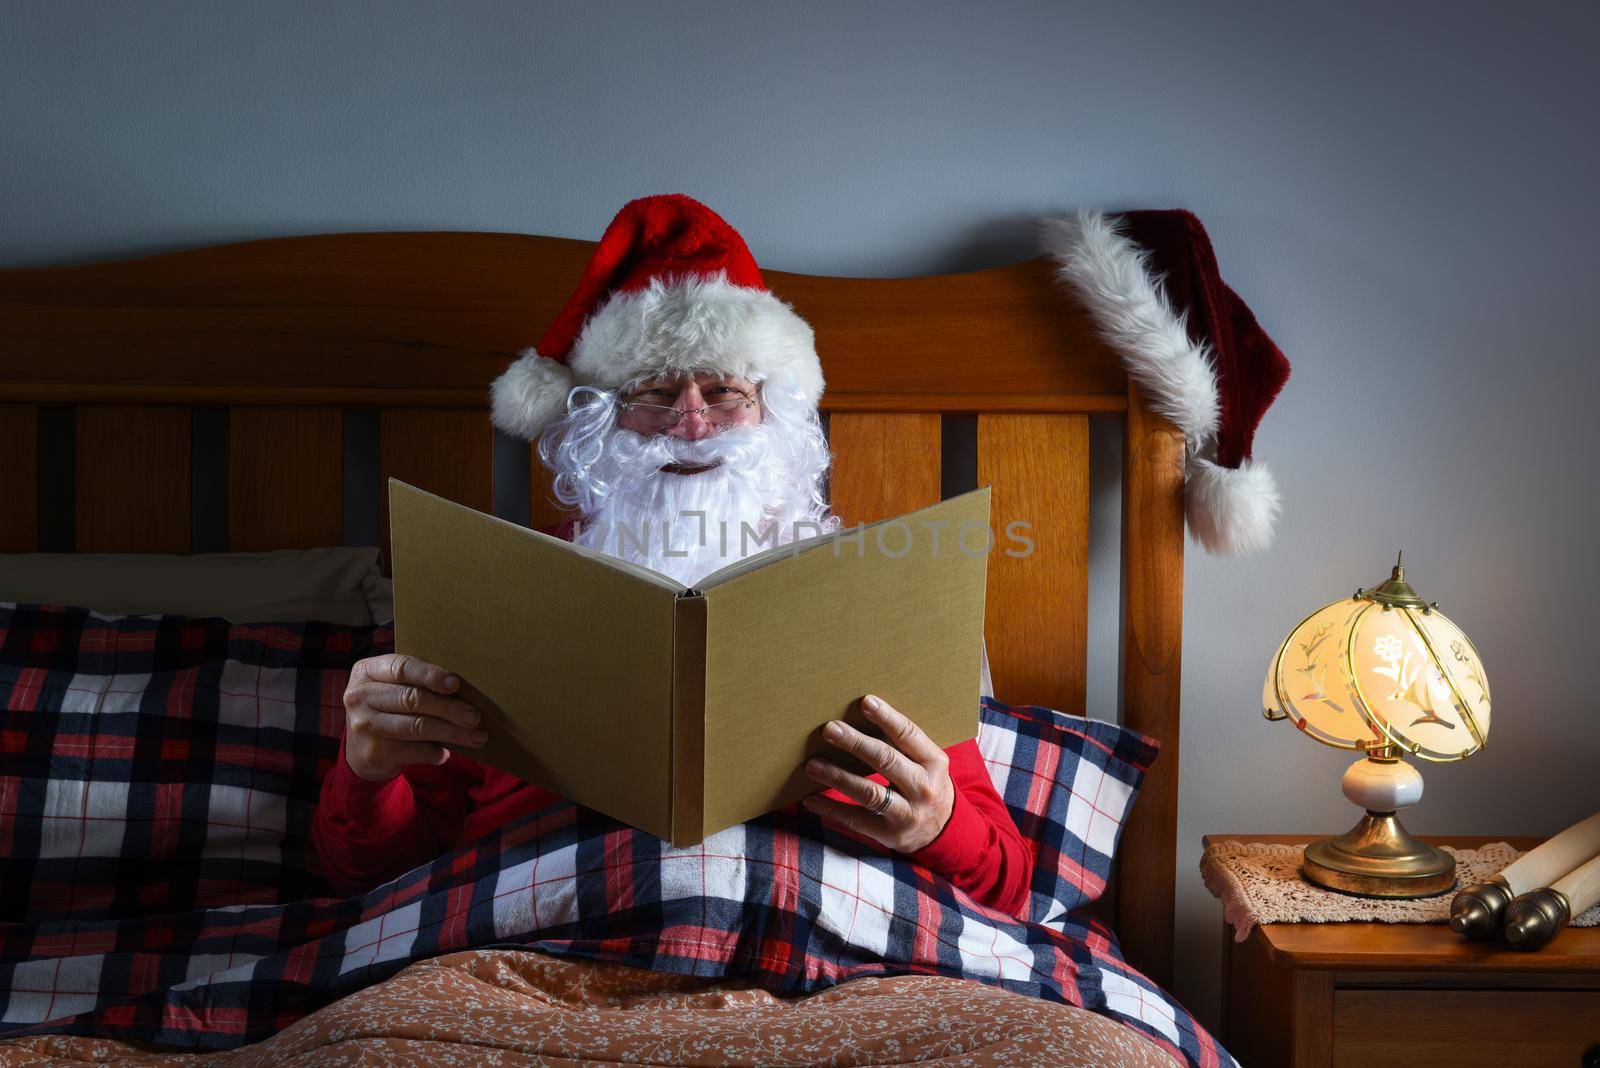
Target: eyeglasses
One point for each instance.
(663, 417)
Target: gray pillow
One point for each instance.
(337, 584)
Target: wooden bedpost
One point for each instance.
(1152, 631)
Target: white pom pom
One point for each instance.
(530, 393)
(1231, 511)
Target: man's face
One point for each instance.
(690, 470)
(690, 406)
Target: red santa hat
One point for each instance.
(672, 287)
(1150, 280)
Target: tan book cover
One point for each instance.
(679, 710)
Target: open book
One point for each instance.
(681, 710)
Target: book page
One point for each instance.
(795, 643)
(778, 552)
(638, 571)
(761, 559)
(569, 659)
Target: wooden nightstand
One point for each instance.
(1411, 995)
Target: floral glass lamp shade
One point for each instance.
(1383, 673)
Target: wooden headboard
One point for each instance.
(267, 367)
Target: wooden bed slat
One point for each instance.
(285, 481)
(1037, 610)
(884, 464)
(445, 451)
(1152, 647)
(132, 478)
(19, 446)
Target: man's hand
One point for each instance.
(919, 770)
(398, 712)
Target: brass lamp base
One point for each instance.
(1379, 858)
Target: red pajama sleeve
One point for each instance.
(367, 832)
(980, 849)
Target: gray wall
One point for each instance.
(1401, 193)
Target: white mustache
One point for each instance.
(766, 475)
(625, 461)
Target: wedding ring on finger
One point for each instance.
(883, 806)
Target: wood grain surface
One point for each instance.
(19, 443)
(444, 451)
(283, 493)
(132, 480)
(430, 318)
(885, 464)
(1152, 629)
(1037, 614)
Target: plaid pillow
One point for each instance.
(1069, 782)
(153, 764)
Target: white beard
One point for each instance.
(760, 493)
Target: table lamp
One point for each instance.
(1386, 674)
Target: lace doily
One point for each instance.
(1259, 882)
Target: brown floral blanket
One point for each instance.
(515, 1007)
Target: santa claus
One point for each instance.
(675, 400)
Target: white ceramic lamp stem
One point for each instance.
(1382, 786)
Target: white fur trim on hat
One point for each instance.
(697, 323)
(1112, 275)
(1230, 510)
(532, 392)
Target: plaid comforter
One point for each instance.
(782, 899)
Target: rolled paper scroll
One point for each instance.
(1477, 911)
(1533, 919)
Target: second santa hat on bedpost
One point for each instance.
(1150, 281)
(671, 287)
